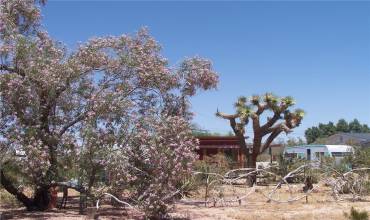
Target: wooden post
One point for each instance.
(241, 158)
(270, 152)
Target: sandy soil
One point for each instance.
(320, 206)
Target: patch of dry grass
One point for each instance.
(320, 206)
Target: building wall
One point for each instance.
(229, 145)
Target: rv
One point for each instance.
(316, 152)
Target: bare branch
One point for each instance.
(115, 198)
(226, 116)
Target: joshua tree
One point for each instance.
(281, 120)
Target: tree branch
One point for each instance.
(226, 116)
(261, 108)
(270, 122)
(275, 118)
(256, 123)
(70, 124)
(270, 139)
(6, 183)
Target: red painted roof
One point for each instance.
(218, 140)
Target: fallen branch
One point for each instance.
(115, 198)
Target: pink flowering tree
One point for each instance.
(113, 102)
(155, 163)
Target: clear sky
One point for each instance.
(317, 52)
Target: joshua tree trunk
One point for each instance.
(257, 142)
(245, 150)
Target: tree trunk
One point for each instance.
(257, 142)
(82, 203)
(252, 163)
(244, 148)
(252, 179)
(41, 199)
(254, 160)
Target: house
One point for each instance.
(230, 147)
(355, 139)
(316, 152)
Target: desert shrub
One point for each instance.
(189, 185)
(360, 158)
(210, 174)
(203, 167)
(217, 163)
(357, 215)
(287, 165)
(314, 174)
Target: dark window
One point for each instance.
(340, 154)
(291, 155)
(308, 154)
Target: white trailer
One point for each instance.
(316, 152)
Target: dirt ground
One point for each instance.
(320, 205)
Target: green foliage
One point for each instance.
(328, 164)
(357, 215)
(210, 176)
(287, 165)
(360, 158)
(203, 133)
(218, 163)
(355, 126)
(288, 100)
(342, 126)
(189, 185)
(8, 199)
(325, 130)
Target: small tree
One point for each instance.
(282, 120)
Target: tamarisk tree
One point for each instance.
(279, 118)
(112, 97)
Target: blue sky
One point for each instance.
(317, 52)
